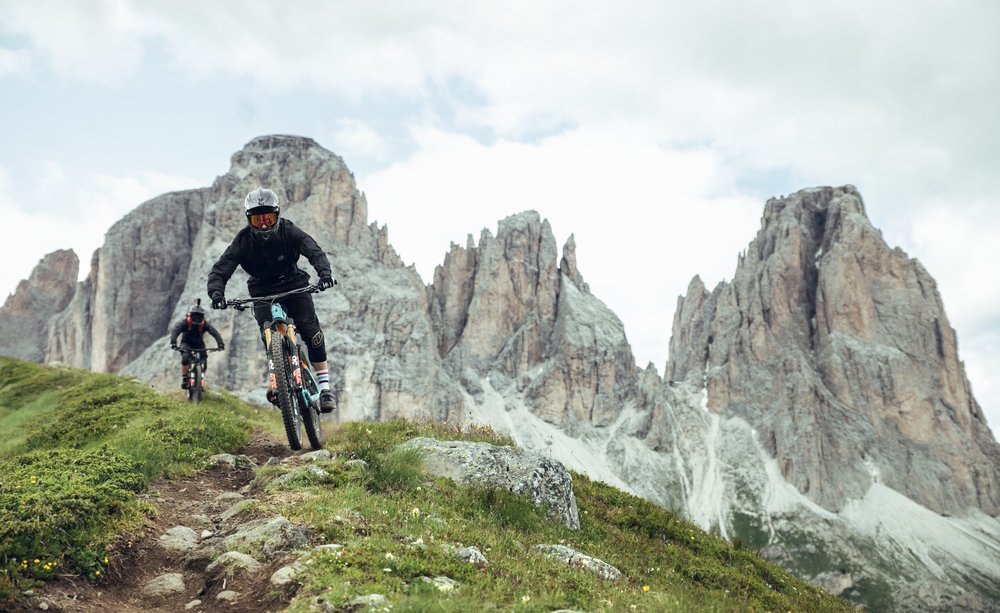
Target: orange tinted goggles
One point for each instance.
(263, 220)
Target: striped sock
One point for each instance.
(323, 378)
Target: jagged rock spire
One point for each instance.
(838, 350)
(25, 314)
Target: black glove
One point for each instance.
(326, 282)
(218, 300)
(173, 344)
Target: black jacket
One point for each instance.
(271, 264)
(191, 334)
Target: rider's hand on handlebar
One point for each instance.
(173, 345)
(326, 282)
(218, 300)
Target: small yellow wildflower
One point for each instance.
(645, 588)
(97, 573)
(37, 561)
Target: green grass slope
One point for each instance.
(77, 449)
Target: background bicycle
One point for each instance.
(196, 371)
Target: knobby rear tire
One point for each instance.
(286, 392)
(310, 412)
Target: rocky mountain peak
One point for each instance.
(480, 313)
(568, 267)
(50, 284)
(837, 349)
(276, 148)
(26, 312)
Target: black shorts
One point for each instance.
(302, 311)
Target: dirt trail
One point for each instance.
(195, 502)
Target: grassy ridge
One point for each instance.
(396, 526)
(76, 440)
(77, 449)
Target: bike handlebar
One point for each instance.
(240, 304)
(180, 349)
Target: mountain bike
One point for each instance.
(292, 382)
(196, 370)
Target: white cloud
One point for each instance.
(93, 41)
(645, 219)
(833, 92)
(958, 246)
(95, 204)
(13, 62)
(354, 138)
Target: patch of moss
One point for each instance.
(21, 382)
(94, 409)
(749, 532)
(875, 594)
(63, 505)
(88, 444)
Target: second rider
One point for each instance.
(268, 249)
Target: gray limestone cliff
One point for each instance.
(139, 271)
(510, 311)
(838, 351)
(25, 316)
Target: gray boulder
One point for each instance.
(575, 559)
(543, 480)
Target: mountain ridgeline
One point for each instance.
(814, 407)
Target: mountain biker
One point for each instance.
(192, 329)
(268, 249)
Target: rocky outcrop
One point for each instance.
(543, 481)
(573, 558)
(25, 316)
(135, 276)
(838, 351)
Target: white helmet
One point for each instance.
(262, 211)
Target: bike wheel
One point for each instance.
(278, 354)
(194, 389)
(310, 410)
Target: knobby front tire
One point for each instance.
(310, 412)
(194, 391)
(285, 392)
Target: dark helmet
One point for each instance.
(262, 210)
(196, 314)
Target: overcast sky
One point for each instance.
(652, 131)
